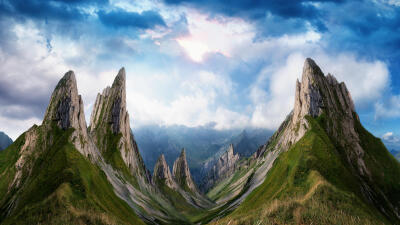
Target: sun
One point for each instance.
(194, 49)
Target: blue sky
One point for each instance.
(216, 63)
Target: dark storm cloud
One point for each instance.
(255, 9)
(289, 16)
(120, 18)
(371, 29)
(22, 96)
(41, 9)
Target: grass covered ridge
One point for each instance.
(65, 188)
(309, 183)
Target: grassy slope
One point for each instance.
(383, 166)
(184, 210)
(65, 188)
(307, 184)
(225, 187)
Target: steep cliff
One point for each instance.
(320, 162)
(49, 174)
(181, 173)
(162, 173)
(225, 166)
(110, 130)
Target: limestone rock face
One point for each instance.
(318, 94)
(110, 117)
(66, 110)
(162, 173)
(227, 161)
(181, 173)
(223, 168)
(315, 94)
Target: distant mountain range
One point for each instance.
(395, 153)
(320, 167)
(202, 144)
(5, 140)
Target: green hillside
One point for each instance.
(311, 183)
(63, 187)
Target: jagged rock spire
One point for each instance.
(162, 173)
(65, 104)
(110, 116)
(66, 110)
(181, 173)
(315, 94)
(223, 168)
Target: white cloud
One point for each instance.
(184, 93)
(214, 35)
(194, 103)
(272, 107)
(234, 37)
(389, 108)
(366, 80)
(390, 137)
(15, 127)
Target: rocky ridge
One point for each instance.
(108, 144)
(181, 173)
(162, 173)
(225, 166)
(322, 98)
(110, 117)
(67, 111)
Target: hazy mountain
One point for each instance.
(5, 141)
(393, 147)
(395, 153)
(202, 144)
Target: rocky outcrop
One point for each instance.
(110, 117)
(162, 173)
(316, 95)
(225, 166)
(226, 163)
(66, 111)
(181, 173)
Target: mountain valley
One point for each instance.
(320, 167)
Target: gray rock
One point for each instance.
(162, 173)
(110, 114)
(181, 173)
(225, 166)
(66, 110)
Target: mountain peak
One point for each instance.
(64, 107)
(67, 111)
(311, 66)
(315, 94)
(308, 97)
(162, 172)
(109, 116)
(113, 100)
(183, 153)
(181, 172)
(120, 79)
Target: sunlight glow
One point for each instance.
(194, 49)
